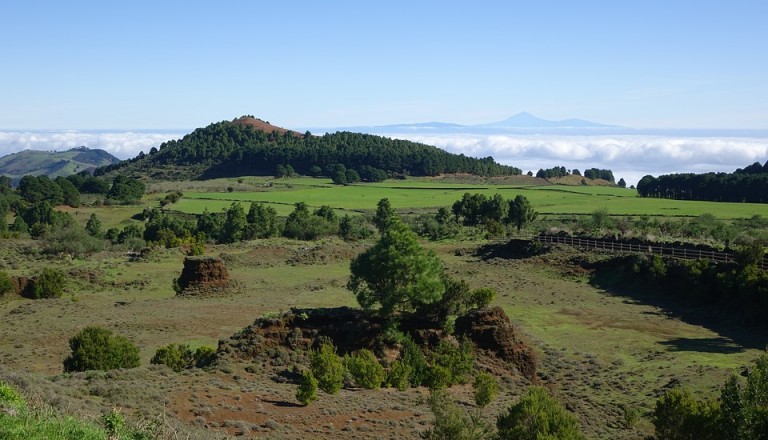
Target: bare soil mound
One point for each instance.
(491, 330)
(202, 275)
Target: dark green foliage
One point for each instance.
(537, 416)
(521, 213)
(456, 359)
(486, 388)
(6, 284)
(307, 391)
(262, 222)
(302, 225)
(399, 375)
(34, 189)
(49, 284)
(180, 356)
(622, 183)
(396, 274)
(231, 149)
(595, 173)
(365, 369)
(178, 226)
(414, 361)
(96, 348)
(678, 416)
(19, 225)
(438, 377)
(235, 223)
(552, 173)
(328, 368)
(93, 226)
(126, 190)
(70, 194)
(483, 297)
(743, 185)
(384, 212)
(210, 224)
(354, 228)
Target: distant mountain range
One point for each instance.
(54, 163)
(522, 121)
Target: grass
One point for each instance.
(421, 194)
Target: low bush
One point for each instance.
(328, 368)
(307, 392)
(365, 369)
(49, 284)
(180, 356)
(6, 284)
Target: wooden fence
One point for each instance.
(658, 249)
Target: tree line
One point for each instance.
(749, 185)
(227, 149)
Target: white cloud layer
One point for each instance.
(120, 144)
(628, 156)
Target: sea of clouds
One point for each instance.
(121, 144)
(628, 156)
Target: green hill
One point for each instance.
(250, 146)
(54, 163)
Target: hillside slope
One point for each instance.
(54, 163)
(250, 146)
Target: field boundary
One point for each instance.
(679, 252)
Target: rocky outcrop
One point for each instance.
(491, 330)
(21, 285)
(349, 329)
(202, 275)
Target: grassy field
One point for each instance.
(421, 194)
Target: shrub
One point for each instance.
(174, 356)
(307, 392)
(10, 398)
(96, 348)
(453, 423)
(365, 369)
(49, 284)
(413, 358)
(483, 297)
(6, 284)
(438, 377)
(486, 389)
(399, 374)
(537, 416)
(327, 368)
(180, 356)
(679, 416)
(457, 359)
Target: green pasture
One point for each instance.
(421, 194)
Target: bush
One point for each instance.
(483, 297)
(679, 416)
(307, 392)
(413, 358)
(49, 284)
(327, 368)
(399, 374)
(457, 360)
(6, 284)
(486, 389)
(95, 348)
(537, 416)
(180, 356)
(453, 423)
(365, 369)
(10, 398)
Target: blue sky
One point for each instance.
(152, 65)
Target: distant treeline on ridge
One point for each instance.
(228, 149)
(749, 184)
